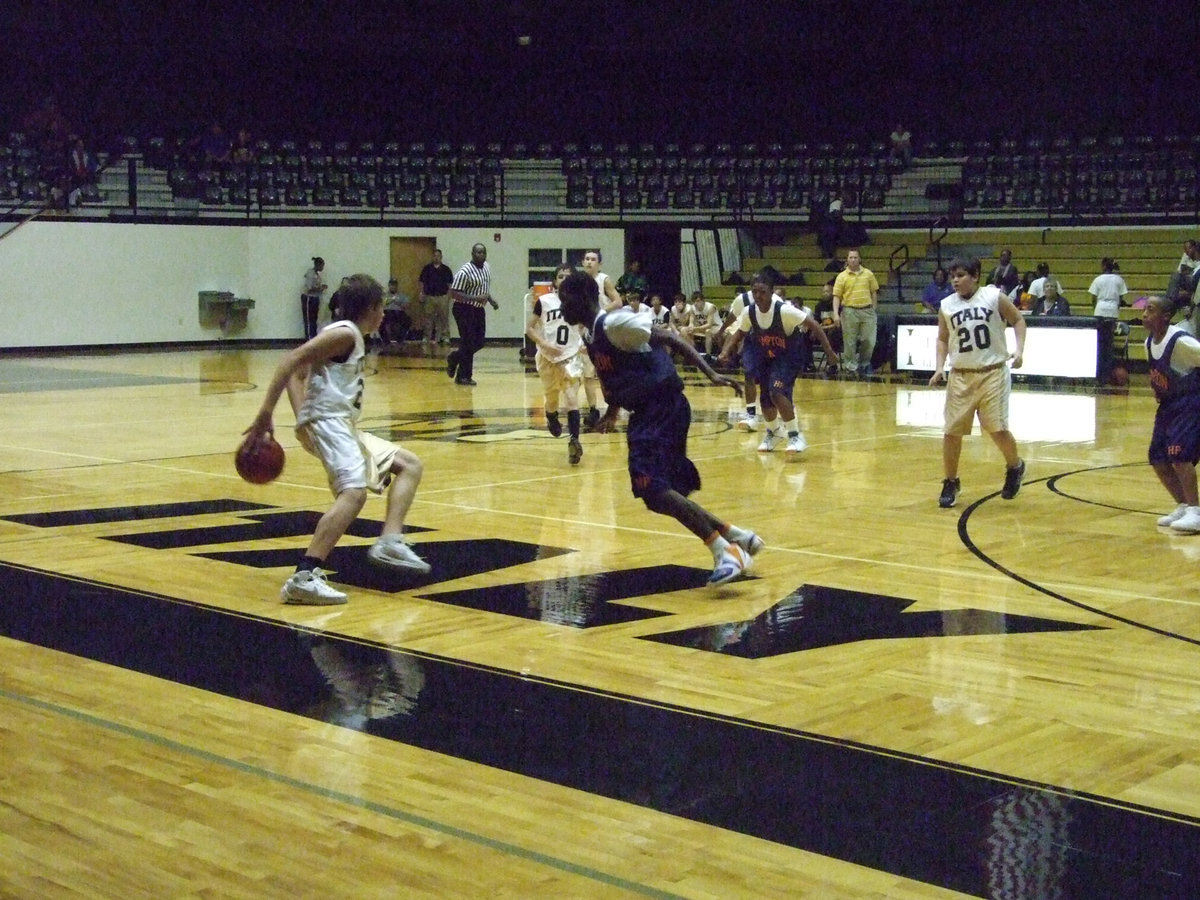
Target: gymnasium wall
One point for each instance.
(89, 284)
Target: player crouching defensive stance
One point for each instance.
(324, 382)
(636, 373)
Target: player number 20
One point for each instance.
(980, 335)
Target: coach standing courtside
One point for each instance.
(434, 300)
(471, 290)
(855, 293)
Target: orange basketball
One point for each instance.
(259, 461)
(1120, 376)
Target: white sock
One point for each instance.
(718, 545)
(793, 428)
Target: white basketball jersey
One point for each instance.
(555, 328)
(977, 336)
(335, 388)
(699, 318)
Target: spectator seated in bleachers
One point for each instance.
(1185, 280)
(1020, 296)
(215, 146)
(1005, 275)
(703, 322)
(243, 149)
(1051, 303)
(1037, 287)
(936, 291)
(902, 146)
(81, 172)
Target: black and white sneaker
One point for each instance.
(1012, 480)
(950, 489)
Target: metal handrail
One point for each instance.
(936, 242)
(899, 270)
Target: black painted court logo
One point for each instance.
(810, 617)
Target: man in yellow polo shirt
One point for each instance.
(855, 294)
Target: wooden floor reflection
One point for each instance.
(1039, 655)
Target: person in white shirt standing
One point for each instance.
(1107, 290)
(971, 336)
(609, 298)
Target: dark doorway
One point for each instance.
(657, 247)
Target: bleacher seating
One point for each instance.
(1109, 179)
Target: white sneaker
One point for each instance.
(795, 446)
(1174, 516)
(751, 543)
(310, 588)
(734, 563)
(770, 441)
(748, 423)
(392, 552)
(1189, 522)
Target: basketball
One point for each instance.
(260, 461)
(1120, 376)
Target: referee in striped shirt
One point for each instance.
(470, 290)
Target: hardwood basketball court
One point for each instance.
(996, 700)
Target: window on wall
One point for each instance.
(543, 262)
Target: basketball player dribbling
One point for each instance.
(324, 382)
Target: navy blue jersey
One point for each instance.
(630, 378)
(1167, 383)
(771, 341)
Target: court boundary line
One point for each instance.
(969, 543)
(797, 733)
